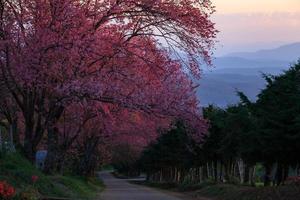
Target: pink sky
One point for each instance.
(248, 25)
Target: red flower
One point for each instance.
(1, 188)
(6, 191)
(34, 178)
(10, 191)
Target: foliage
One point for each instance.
(75, 69)
(124, 160)
(234, 192)
(29, 193)
(171, 152)
(277, 112)
(248, 143)
(21, 174)
(265, 131)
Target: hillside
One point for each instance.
(244, 63)
(18, 172)
(220, 89)
(289, 52)
(243, 72)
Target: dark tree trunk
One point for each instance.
(51, 159)
(204, 172)
(29, 149)
(52, 140)
(227, 168)
(286, 170)
(16, 136)
(267, 176)
(279, 174)
(298, 170)
(252, 175)
(247, 174)
(63, 150)
(60, 162)
(221, 172)
(215, 170)
(88, 161)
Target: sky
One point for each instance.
(250, 25)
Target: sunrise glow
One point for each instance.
(250, 6)
(247, 25)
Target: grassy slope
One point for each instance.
(17, 171)
(231, 192)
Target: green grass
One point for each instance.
(78, 187)
(17, 171)
(235, 192)
(229, 191)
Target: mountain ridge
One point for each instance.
(243, 71)
(289, 52)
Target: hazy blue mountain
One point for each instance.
(220, 89)
(250, 71)
(289, 52)
(243, 72)
(238, 62)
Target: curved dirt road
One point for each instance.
(120, 189)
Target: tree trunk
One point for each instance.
(16, 136)
(252, 175)
(221, 173)
(286, 170)
(215, 170)
(267, 176)
(89, 158)
(247, 174)
(51, 159)
(208, 170)
(29, 149)
(241, 169)
(298, 170)
(279, 174)
(227, 169)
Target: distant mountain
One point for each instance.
(239, 62)
(250, 71)
(220, 89)
(243, 72)
(289, 52)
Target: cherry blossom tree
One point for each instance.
(119, 53)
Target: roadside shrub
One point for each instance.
(30, 193)
(293, 180)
